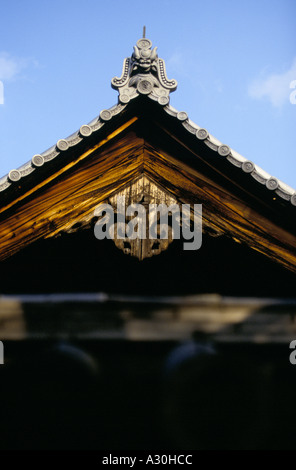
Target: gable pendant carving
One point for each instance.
(135, 201)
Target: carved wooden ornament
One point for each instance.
(141, 192)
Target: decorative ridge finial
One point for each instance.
(144, 73)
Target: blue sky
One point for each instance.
(234, 62)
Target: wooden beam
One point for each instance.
(222, 319)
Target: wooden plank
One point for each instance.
(73, 196)
(70, 165)
(221, 209)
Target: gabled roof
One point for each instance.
(131, 87)
(155, 136)
(281, 189)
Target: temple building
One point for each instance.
(147, 285)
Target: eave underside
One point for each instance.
(69, 196)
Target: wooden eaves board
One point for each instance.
(71, 194)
